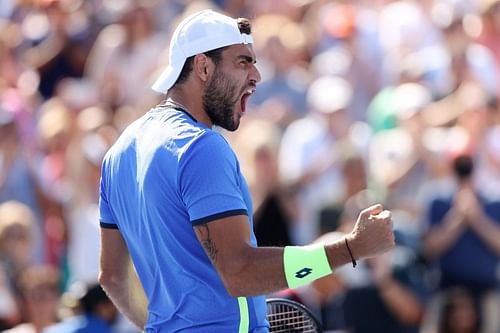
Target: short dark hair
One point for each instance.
(463, 166)
(244, 26)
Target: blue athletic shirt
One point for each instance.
(166, 173)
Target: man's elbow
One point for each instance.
(109, 280)
(234, 289)
(233, 277)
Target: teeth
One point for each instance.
(250, 91)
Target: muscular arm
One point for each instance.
(488, 231)
(441, 237)
(247, 270)
(118, 278)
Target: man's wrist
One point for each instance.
(304, 264)
(353, 246)
(338, 254)
(350, 252)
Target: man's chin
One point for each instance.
(223, 119)
(233, 127)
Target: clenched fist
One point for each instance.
(373, 233)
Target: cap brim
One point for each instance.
(167, 78)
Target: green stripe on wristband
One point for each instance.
(304, 264)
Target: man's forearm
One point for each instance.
(441, 237)
(247, 270)
(488, 231)
(263, 272)
(128, 296)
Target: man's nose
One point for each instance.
(255, 74)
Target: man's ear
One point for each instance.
(203, 67)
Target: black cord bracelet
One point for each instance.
(350, 253)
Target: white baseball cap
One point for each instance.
(203, 31)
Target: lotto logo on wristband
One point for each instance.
(303, 273)
(296, 257)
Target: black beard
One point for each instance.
(219, 100)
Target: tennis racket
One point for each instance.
(286, 316)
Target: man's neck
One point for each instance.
(190, 99)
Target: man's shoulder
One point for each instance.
(213, 139)
(159, 127)
(209, 147)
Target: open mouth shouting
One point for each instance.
(244, 99)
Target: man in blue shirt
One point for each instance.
(464, 233)
(173, 199)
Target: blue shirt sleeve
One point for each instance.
(210, 180)
(105, 216)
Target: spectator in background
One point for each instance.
(310, 151)
(488, 173)
(258, 144)
(18, 180)
(9, 312)
(16, 240)
(490, 33)
(346, 44)
(460, 313)
(395, 170)
(281, 42)
(353, 168)
(124, 54)
(463, 238)
(39, 299)
(93, 135)
(404, 28)
(55, 128)
(16, 248)
(385, 294)
(97, 314)
(59, 49)
(467, 61)
(402, 147)
(10, 66)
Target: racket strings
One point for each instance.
(275, 327)
(286, 313)
(291, 321)
(284, 318)
(295, 326)
(294, 330)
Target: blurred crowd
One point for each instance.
(382, 101)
